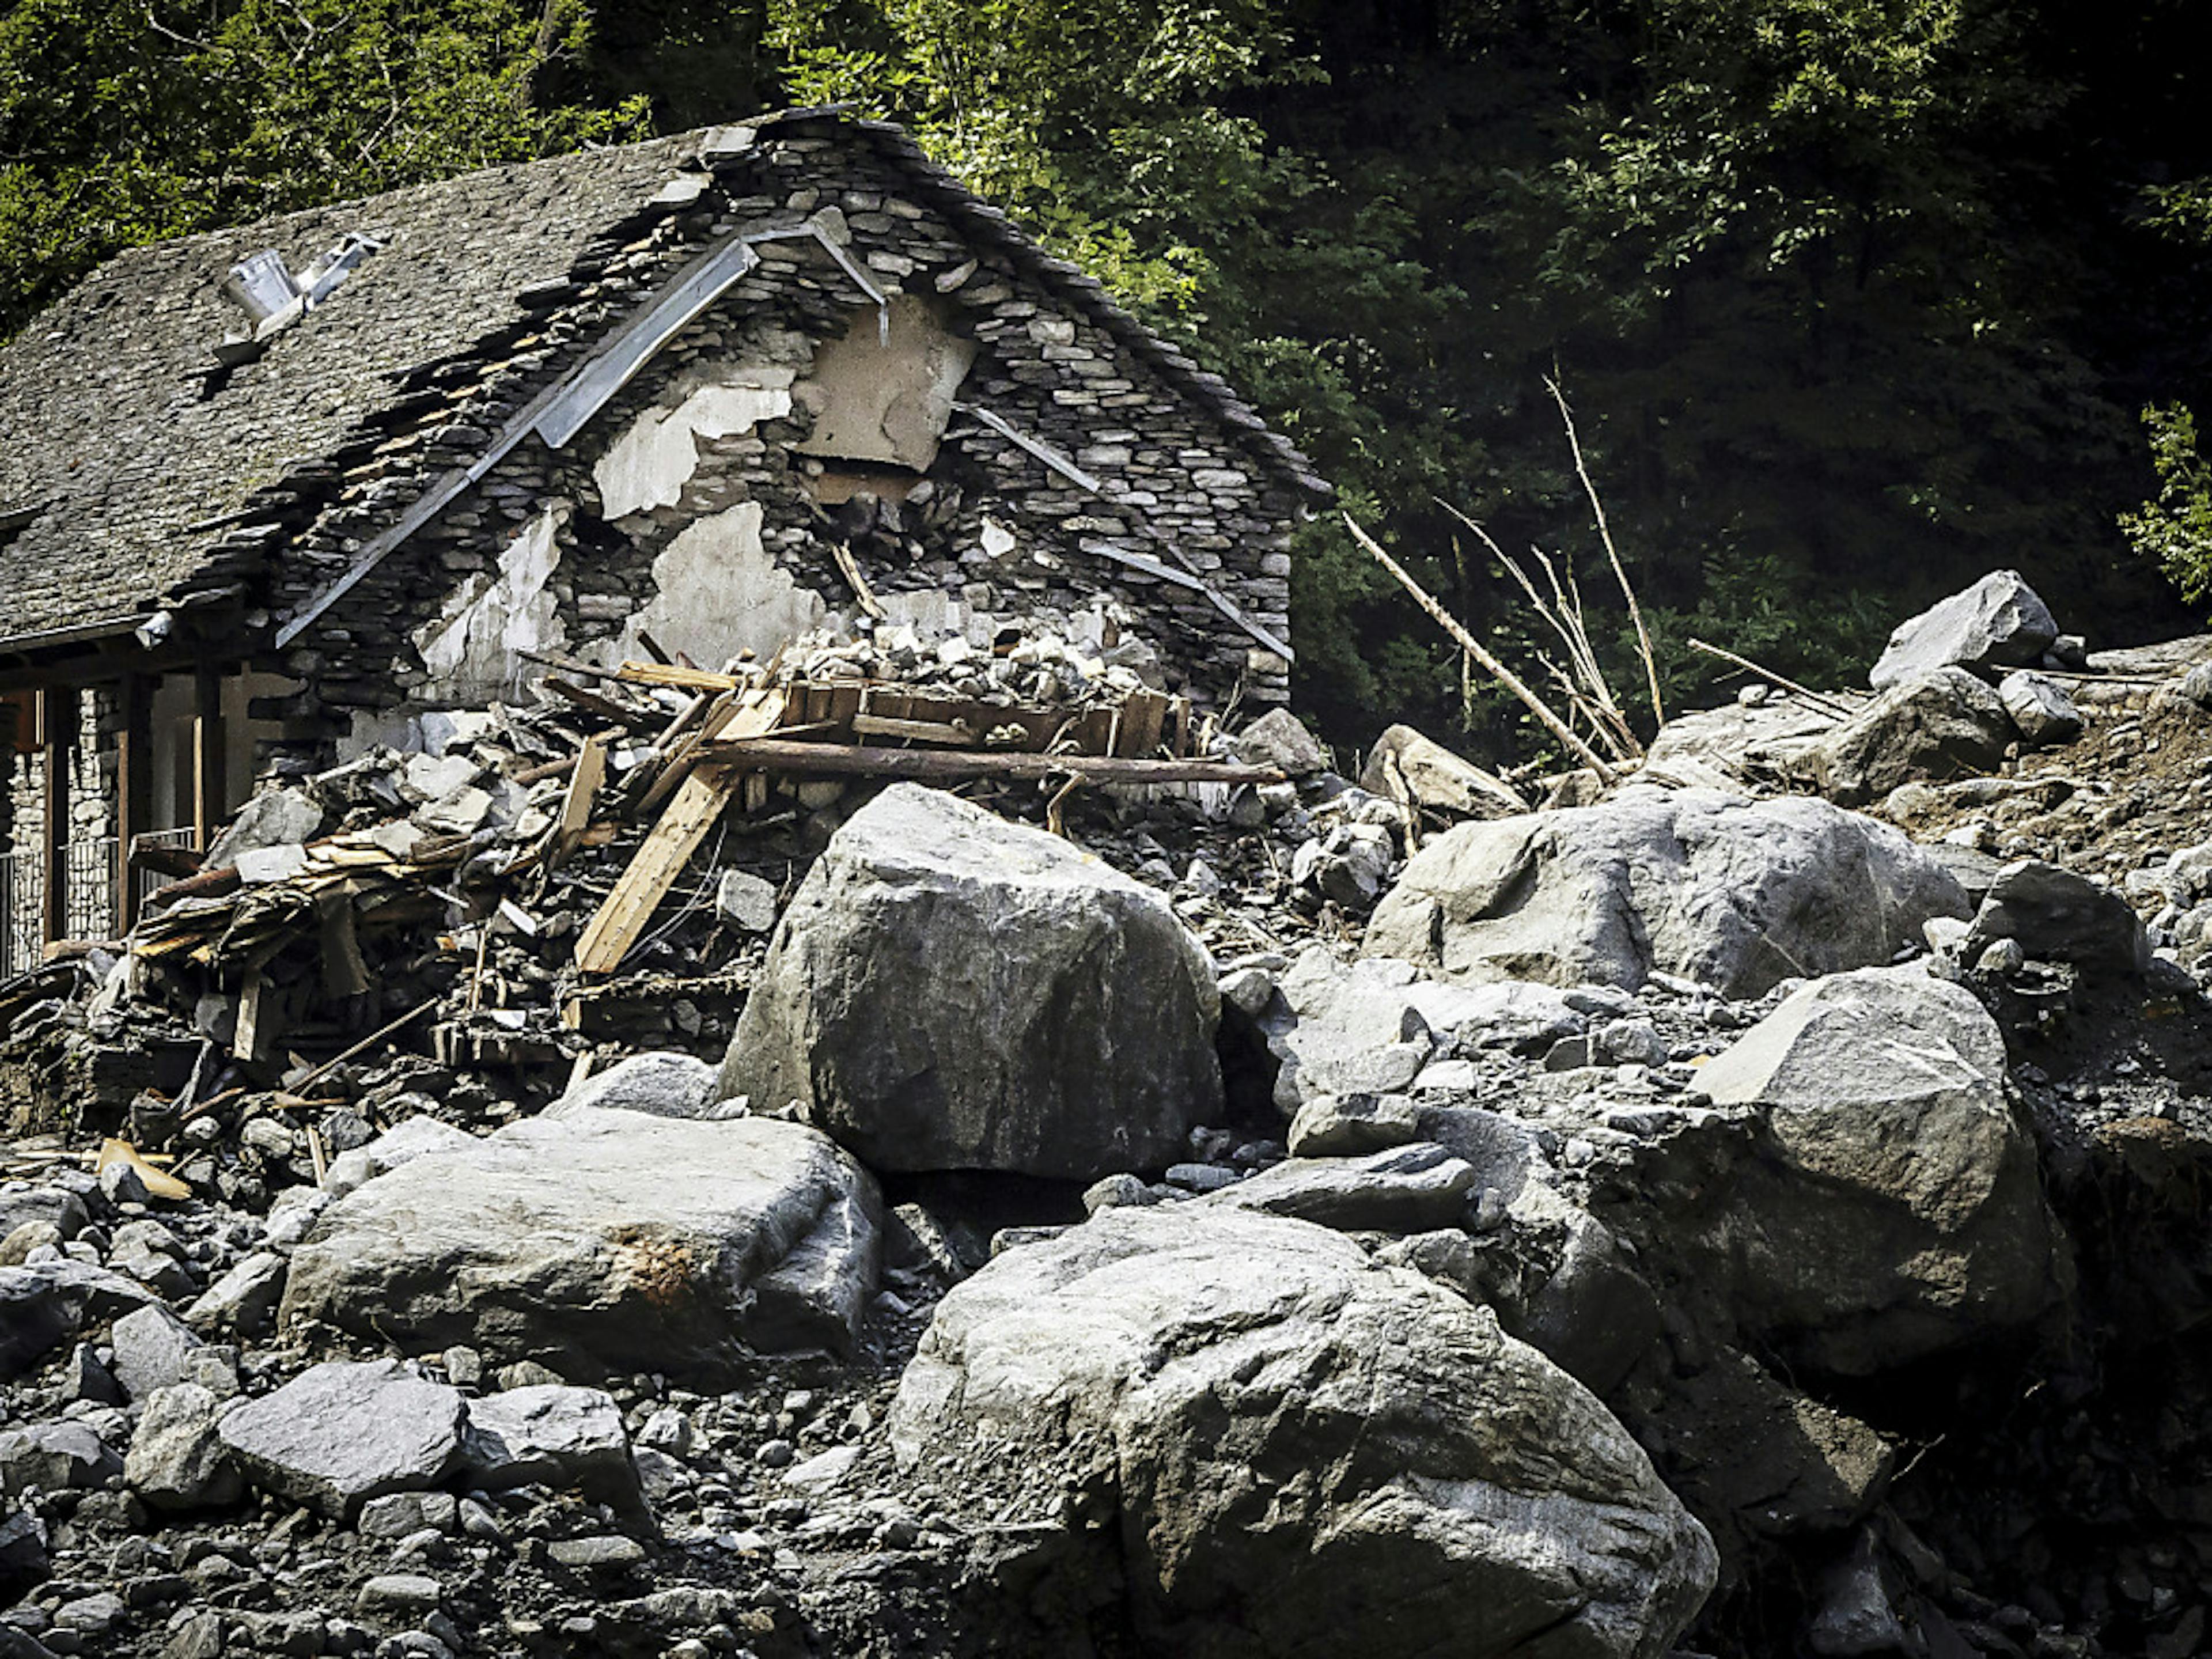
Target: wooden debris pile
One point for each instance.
(550, 877)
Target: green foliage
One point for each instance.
(124, 124)
(1857, 299)
(2176, 529)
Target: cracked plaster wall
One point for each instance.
(471, 648)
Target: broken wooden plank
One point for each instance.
(911, 731)
(851, 571)
(568, 832)
(606, 707)
(830, 760)
(620, 922)
(698, 805)
(246, 1040)
(683, 679)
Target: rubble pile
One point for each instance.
(457, 889)
(1249, 1213)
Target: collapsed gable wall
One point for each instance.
(704, 503)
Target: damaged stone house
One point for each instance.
(271, 496)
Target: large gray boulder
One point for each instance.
(1370, 1026)
(2056, 915)
(599, 1243)
(1737, 894)
(1998, 623)
(1406, 767)
(949, 990)
(1897, 1213)
(344, 1432)
(1304, 1452)
(1942, 724)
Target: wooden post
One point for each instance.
(57, 741)
(211, 786)
(134, 790)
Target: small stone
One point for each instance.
(745, 900)
(553, 1435)
(1278, 738)
(2002, 959)
(774, 1454)
(606, 1553)
(55, 1457)
(1338, 1126)
(408, 1594)
(1200, 1177)
(1112, 1190)
(152, 1348)
(97, 1614)
(242, 1299)
(178, 1460)
(819, 1473)
(397, 1514)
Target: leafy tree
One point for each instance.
(2176, 529)
(122, 124)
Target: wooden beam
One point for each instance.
(698, 805)
(58, 718)
(134, 789)
(210, 755)
(838, 760)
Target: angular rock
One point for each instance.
(2059, 916)
(2039, 707)
(1734, 894)
(1405, 766)
(275, 817)
(63, 1212)
(1736, 1443)
(178, 1460)
(554, 1436)
(1344, 1126)
(1368, 1027)
(1896, 1212)
(661, 1084)
(243, 1298)
(1943, 723)
(603, 1242)
(345, 1432)
(152, 1349)
(949, 990)
(1595, 1315)
(1402, 1190)
(1998, 623)
(1295, 1438)
(745, 900)
(404, 1141)
(55, 1457)
(46, 1303)
(23, 1561)
(1281, 740)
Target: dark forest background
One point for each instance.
(1854, 299)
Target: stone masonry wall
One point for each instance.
(988, 533)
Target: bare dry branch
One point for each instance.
(1475, 649)
(1605, 534)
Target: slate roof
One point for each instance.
(108, 435)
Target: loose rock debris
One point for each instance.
(1871, 1299)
